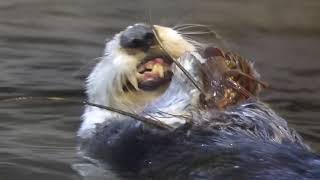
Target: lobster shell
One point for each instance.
(228, 78)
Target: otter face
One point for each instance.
(135, 70)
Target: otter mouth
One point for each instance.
(153, 72)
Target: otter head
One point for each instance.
(135, 69)
(133, 72)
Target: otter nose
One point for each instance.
(139, 36)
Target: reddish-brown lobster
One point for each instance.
(228, 79)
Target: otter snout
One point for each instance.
(139, 36)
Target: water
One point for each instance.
(44, 43)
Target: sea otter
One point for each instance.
(245, 140)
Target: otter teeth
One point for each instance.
(149, 65)
(133, 81)
(158, 69)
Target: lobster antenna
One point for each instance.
(137, 117)
(176, 62)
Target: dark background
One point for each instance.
(46, 45)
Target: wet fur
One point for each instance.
(247, 141)
(200, 153)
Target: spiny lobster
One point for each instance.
(228, 79)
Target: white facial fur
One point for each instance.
(105, 83)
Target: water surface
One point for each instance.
(44, 44)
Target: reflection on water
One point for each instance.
(44, 43)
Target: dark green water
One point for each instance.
(44, 44)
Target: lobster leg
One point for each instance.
(238, 88)
(237, 72)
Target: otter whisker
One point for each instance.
(149, 16)
(29, 98)
(154, 117)
(193, 42)
(143, 119)
(196, 33)
(159, 116)
(208, 30)
(188, 26)
(185, 26)
(163, 114)
(154, 122)
(175, 115)
(194, 82)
